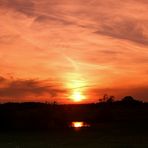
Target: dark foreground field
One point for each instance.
(120, 124)
(105, 136)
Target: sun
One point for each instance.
(76, 85)
(77, 96)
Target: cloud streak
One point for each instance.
(21, 6)
(125, 29)
(22, 89)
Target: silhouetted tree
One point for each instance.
(130, 100)
(107, 99)
(110, 99)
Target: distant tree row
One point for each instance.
(111, 99)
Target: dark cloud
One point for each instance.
(2, 79)
(30, 8)
(7, 39)
(125, 29)
(26, 88)
(22, 6)
(46, 18)
(110, 52)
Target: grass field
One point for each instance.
(103, 137)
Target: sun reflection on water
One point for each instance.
(79, 124)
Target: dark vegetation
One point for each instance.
(114, 124)
(44, 116)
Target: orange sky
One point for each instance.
(53, 49)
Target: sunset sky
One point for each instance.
(61, 49)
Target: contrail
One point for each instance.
(94, 66)
(70, 60)
(74, 63)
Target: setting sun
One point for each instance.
(77, 96)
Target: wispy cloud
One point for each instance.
(21, 6)
(125, 29)
(22, 90)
